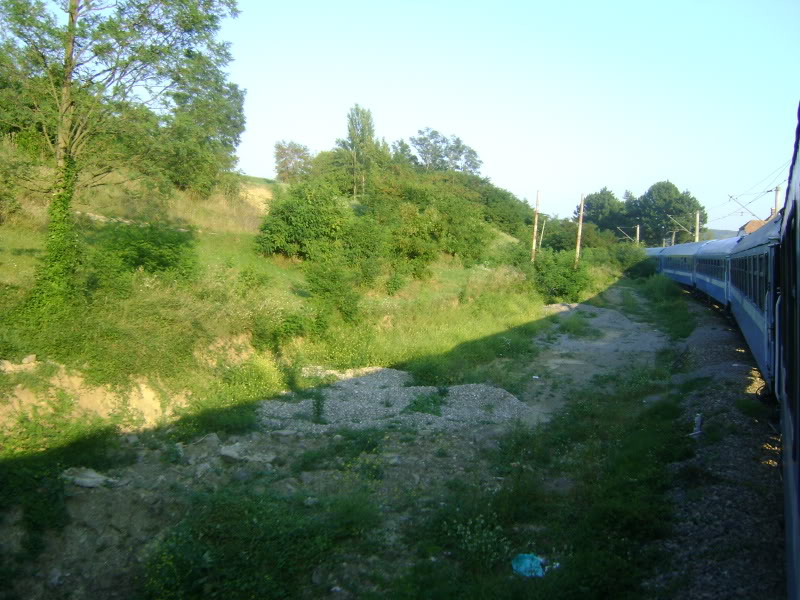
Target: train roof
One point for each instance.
(770, 233)
(689, 249)
(725, 246)
(653, 251)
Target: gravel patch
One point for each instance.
(377, 397)
(727, 539)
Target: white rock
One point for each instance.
(284, 433)
(88, 478)
(232, 453)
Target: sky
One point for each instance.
(560, 97)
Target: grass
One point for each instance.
(199, 313)
(752, 408)
(234, 544)
(347, 448)
(427, 403)
(667, 306)
(577, 325)
(612, 453)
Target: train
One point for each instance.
(754, 277)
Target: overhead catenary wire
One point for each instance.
(730, 199)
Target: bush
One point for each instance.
(556, 277)
(153, 248)
(306, 224)
(271, 335)
(234, 544)
(332, 286)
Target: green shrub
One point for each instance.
(427, 403)
(306, 224)
(233, 544)
(271, 335)
(395, 283)
(153, 248)
(332, 286)
(557, 278)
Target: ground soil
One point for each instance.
(727, 535)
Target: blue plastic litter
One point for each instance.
(529, 565)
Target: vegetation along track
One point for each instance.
(369, 486)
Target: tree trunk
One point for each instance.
(55, 285)
(56, 277)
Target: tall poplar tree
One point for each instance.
(360, 144)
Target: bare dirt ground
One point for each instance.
(727, 540)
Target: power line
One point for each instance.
(759, 195)
(783, 166)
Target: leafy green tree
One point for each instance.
(333, 167)
(292, 161)
(200, 134)
(654, 208)
(603, 209)
(439, 153)
(403, 155)
(562, 234)
(360, 144)
(80, 68)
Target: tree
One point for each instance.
(360, 144)
(402, 154)
(658, 209)
(199, 137)
(292, 161)
(439, 153)
(82, 72)
(603, 209)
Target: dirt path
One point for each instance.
(426, 437)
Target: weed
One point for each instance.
(752, 408)
(318, 406)
(427, 403)
(576, 325)
(479, 541)
(235, 544)
(351, 444)
(670, 310)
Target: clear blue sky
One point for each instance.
(563, 97)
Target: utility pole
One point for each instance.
(697, 226)
(637, 234)
(541, 235)
(535, 228)
(777, 195)
(580, 230)
(673, 237)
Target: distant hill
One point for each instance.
(721, 234)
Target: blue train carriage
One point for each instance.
(677, 262)
(787, 385)
(752, 293)
(711, 269)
